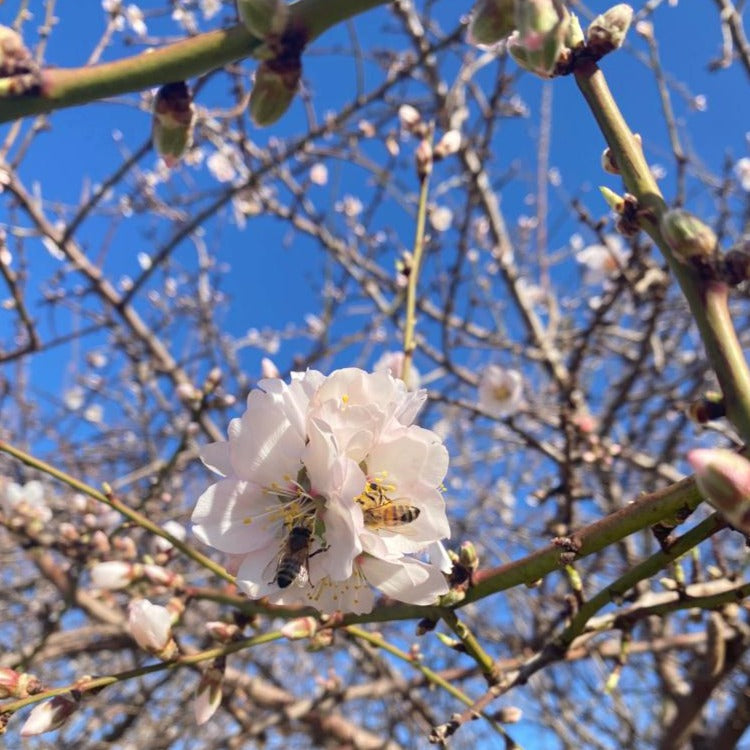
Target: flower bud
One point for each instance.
(151, 626)
(409, 116)
(447, 145)
(223, 632)
(208, 694)
(468, 557)
(723, 478)
(708, 408)
(173, 118)
(276, 83)
(540, 40)
(716, 645)
(263, 18)
(687, 236)
(609, 164)
(49, 715)
(614, 201)
(574, 38)
(423, 158)
(607, 32)
(268, 369)
(320, 640)
(18, 69)
(492, 20)
(302, 627)
(17, 684)
(426, 625)
(508, 715)
(114, 574)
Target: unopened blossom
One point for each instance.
(723, 477)
(220, 166)
(49, 715)
(27, 500)
(18, 684)
(115, 574)
(601, 262)
(268, 368)
(176, 529)
(328, 489)
(500, 391)
(151, 626)
(208, 695)
(742, 172)
(393, 362)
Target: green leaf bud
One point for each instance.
(263, 18)
(172, 125)
(276, 83)
(686, 235)
(607, 32)
(492, 21)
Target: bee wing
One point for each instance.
(272, 569)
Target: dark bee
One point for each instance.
(293, 563)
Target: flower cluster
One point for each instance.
(328, 487)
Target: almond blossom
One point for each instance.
(328, 486)
(500, 391)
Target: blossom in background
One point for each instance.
(601, 262)
(151, 626)
(500, 391)
(742, 172)
(393, 362)
(27, 500)
(328, 488)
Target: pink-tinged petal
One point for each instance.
(413, 455)
(408, 580)
(343, 526)
(265, 446)
(235, 517)
(216, 456)
(318, 456)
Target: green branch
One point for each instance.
(196, 56)
(708, 300)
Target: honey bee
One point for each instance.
(293, 562)
(389, 515)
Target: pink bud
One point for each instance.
(49, 715)
(723, 478)
(17, 684)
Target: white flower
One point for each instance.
(500, 391)
(328, 485)
(134, 16)
(319, 174)
(221, 167)
(150, 625)
(441, 218)
(602, 261)
(27, 500)
(393, 362)
(210, 8)
(742, 172)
